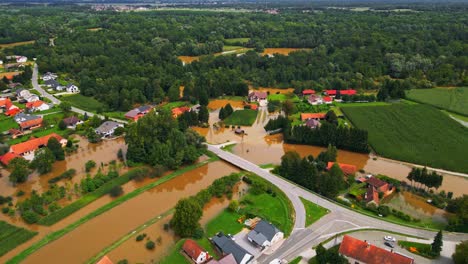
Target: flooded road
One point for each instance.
(103, 230)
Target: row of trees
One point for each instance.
(425, 178)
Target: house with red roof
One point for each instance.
(138, 112)
(372, 195)
(176, 112)
(31, 124)
(26, 149)
(316, 116)
(37, 106)
(9, 108)
(327, 99)
(105, 260)
(378, 184)
(333, 93)
(358, 251)
(308, 92)
(257, 96)
(7, 157)
(315, 99)
(347, 169)
(196, 253)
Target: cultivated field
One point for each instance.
(12, 236)
(84, 102)
(452, 99)
(415, 133)
(11, 45)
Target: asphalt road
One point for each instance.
(339, 219)
(44, 93)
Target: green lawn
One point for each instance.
(457, 116)
(296, 260)
(357, 189)
(12, 236)
(360, 104)
(283, 97)
(452, 99)
(423, 250)
(226, 222)
(228, 148)
(116, 114)
(171, 105)
(236, 41)
(419, 134)
(84, 102)
(229, 48)
(245, 117)
(7, 123)
(175, 255)
(314, 259)
(313, 211)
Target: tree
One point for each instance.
(186, 216)
(54, 145)
(331, 117)
(174, 93)
(288, 107)
(116, 191)
(62, 125)
(461, 253)
(65, 106)
(222, 113)
(228, 110)
(234, 205)
(150, 245)
(19, 170)
(436, 246)
(89, 165)
(43, 160)
(203, 114)
(119, 131)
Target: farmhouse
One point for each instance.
(227, 246)
(260, 97)
(265, 234)
(27, 149)
(176, 112)
(72, 121)
(358, 251)
(316, 116)
(107, 128)
(347, 169)
(195, 252)
(308, 92)
(71, 88)
(37, 106)
(138, 112)
(228, 259)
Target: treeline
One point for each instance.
(193, 118)
(311, 173)
(37, 206)
(157, 140)
(459, 207)
(90, 184)
(132, 59)
(424, 178)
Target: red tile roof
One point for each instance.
(346, 168)
(308, 91)
(34, 104)
(372, 195)
(31, 123)
(330, 92)
(259, 95)
(377, 183)
(327, 99)
(105, 260)
(192, 249)
(33, 144)
(5, 159)
(370, 254)
(12, 111)
(348, 92)
(306, 116)
(253, 106)
(179, 110)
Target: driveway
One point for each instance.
(241, 240)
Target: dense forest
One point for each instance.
(131, 57)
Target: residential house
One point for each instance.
(32, 98)
(8, 107)
(228, 259)
(316, 116)
(334, 93)
(315, 100)
(71, 88)
(378, 184)
(327, 99)
(372, 195)
(347, 169)
(265, 234)
(51, 83)
(72, 121)
(226, 246)
(105, 260)
(21, 59)
(37, 106)
(26, 149)
(257, 96)
(7, 157)
(108, 128)
(308, 92)
(348, 92)
(360, 252)
(312, 123)
(195, 252)
(27, 121)
(49, 76)
(23, 93)
(15, 133)
(176, 112)
(138, 112)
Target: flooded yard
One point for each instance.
(103, 230)
(282, 51)
(218, 103)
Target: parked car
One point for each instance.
(389, 244)
(389, 238)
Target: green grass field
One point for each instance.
(12, 236)
(245, 117)
(452, 99)
(313, 211)
(7, 123)
(83, 102)
(229, 48)
(423, 250)
(226, 222)
(235, 41)
(419, 134)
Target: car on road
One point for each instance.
(389, 238)
(389, 244)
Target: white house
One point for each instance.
(21, 59)
(315, 100)
(31, 98)
(108, 128)
(37, 106)
(71, 88)
(260, 97)
(195, 252)
(265, 234)
(49, 76)
(23, 93)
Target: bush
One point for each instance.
(166, 227)
(384, 210)
(122, 261)
(20, 193)
(199, 233)
(89, 165)
(5, 210)
(140, 237)
(150, 245)
(30, 217)
(234, 205)
(116, 191)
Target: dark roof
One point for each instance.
(376, 182)
(228, 246)
(144, 108)
(312, 123)
(107, 126)
(266, 229)
(228, 259)
(71, 121)
(25, 117)
(51, 82)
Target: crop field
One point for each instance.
(83, 102)
(12, 236)
(419, 134)
(452, 99)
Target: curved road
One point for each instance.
(338, 220)
(44, 93)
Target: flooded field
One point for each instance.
(282, 51)
(416, 207)
(274, 90)
(188, 59)
(218, 103)
(103, 230)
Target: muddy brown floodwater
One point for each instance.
(104, 229)
(282, 51)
